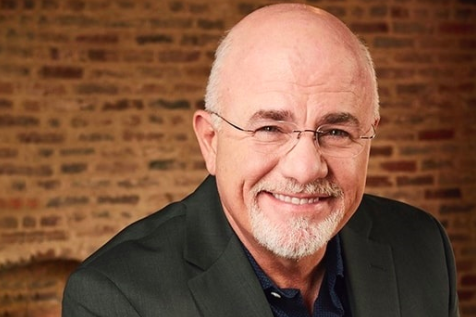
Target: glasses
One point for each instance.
(335, 140)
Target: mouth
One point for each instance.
(297, 200)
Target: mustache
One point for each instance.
(290, 186)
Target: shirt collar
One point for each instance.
(334, 268)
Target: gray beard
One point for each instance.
(299, 237)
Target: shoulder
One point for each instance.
(394, 220)
(151, 236)
(386, 210)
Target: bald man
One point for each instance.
(282, 226)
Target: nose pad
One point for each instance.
(298, 137)
(315, 138)
(301, 163)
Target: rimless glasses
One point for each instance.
(341, 140)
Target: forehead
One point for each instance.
(309, 76)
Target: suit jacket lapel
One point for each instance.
(223, 283)
(229, 288)
(370, 275)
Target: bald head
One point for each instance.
(290, 40)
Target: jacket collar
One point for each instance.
(226, 284)
(370, 273)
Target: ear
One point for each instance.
(207, 138)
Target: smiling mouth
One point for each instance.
(296, 200)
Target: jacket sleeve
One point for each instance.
(450, 264)
(90, 293)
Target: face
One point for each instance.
(290, 202)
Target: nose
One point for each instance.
(304, 163)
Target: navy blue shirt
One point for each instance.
(332, 299)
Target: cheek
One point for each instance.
(239, 168)
(350, 175)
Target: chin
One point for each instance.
(299, 236)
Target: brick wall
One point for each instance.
(96, 100)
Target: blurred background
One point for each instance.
(96, 102)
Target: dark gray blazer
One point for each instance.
(186, 261)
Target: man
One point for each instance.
(282, 227)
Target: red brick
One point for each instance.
(49, 184)
(122, 200)
(395, 73)
(179, 56)
(32, 203)
(154, 39)
(123, 104)
(61, 72)
(199, 39)
(67, 201)
(443, 193)
(381, 151)
(400, 12)
(50, 221)
(96, 89)
(6, 88)
(411, 28)
(393, 42)
(41, 138)
(468, 280)
(436, 135)
(466, 295)
(469, 44)
(9, 222)
(460, 88)
(29, 222)
(74, 168)
(436, 43)
(379, 11)
(25, 170)
(465, 265)
(8, 153)
(170, 104)
(369, 27)
(414, 57)
(171, 23)
(8, 4)
(412, 89)
(6, 104)
(116, 167)
(208, 24)
(98, 38)
(416, 180)
(138, 56)
(139, 136)
(56, 235)
(399, 166)
(379, 181)
(103, 55)
(50, 4)
(18, 121)
(456, 28)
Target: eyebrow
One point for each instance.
(276, 115)
(341, 117)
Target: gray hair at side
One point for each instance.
(213, 89)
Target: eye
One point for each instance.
(334, 132)
(270, 129)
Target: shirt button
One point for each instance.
(275, 294)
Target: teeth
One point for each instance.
(295, 200)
